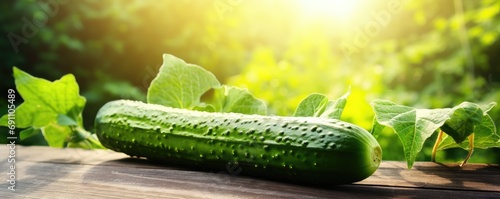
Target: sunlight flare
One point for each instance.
(333, 9)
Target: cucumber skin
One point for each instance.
(294, 149)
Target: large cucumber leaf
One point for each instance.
(413, 126)
(179, 84)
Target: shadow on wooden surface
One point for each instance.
(468, 177)
(438, 176)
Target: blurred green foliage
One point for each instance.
(428, 54)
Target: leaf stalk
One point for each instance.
(471, 149)
(434, 149)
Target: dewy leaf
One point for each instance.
(237, 100)
(45, 100)
(179, 84)
(463, 119)
(413, 126)
(318, 105)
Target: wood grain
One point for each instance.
(43, 172)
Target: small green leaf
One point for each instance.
(204, 107)
(377, 128)
(311, 106)
(413, 126)
(56, 135)
(237, 100)
(317, 105)
(335, 108)
(29, 132)
(179, 84)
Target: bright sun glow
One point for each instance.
(336, 9)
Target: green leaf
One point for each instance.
(317, 105)
(179, 84)
(45, 100)
(204, 107)
(237, 100)
(485, 136)
(485, 133)
(413, 126)
(377, 128)
(29, 132)
(4, 120)
(52, 108)
(56, 135)
(488, 107)
(463, 119)
(335, 108)
(65, 120)
(311, 106)
(90, 142)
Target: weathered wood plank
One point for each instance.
(434, 175)
(43, 172)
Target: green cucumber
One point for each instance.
(294, 149)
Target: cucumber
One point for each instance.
(294, 149)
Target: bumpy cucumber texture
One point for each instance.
(293, 149)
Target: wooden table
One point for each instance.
(43, 172)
